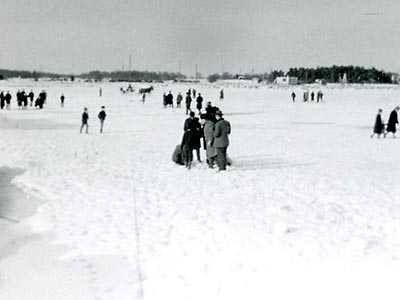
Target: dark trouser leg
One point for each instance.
(198, 154)
(221, 158)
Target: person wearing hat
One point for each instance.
(393, 120)
(102, 116)
(221, 140)
(85, 118)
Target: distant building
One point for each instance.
(286, 80)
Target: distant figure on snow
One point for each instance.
(179, 100)
(199, 101)
(393, 121)
(188, 102)
(85, 119)
(293, 96)
(221, 95)
(62, 98)
(102, 116)
(379, 127)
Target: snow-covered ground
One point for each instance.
(310, 208)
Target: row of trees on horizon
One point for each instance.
(334, 74)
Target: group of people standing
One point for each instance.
(307, 95)
(391, 126)
(213, 129)
(85, 119)
(23, 99)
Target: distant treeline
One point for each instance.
(29, 74)
(96, 75)
(334, 74)
(132, 76)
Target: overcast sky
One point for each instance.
(165, 35)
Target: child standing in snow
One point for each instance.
(379, 127)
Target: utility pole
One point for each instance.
(196, 71)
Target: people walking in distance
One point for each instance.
(85, 120)
(24, 98)
(379, 127)
(102, 117)
(312, 96)
(170, 99)
(165, 100)
(19, 100)
(143, 98)
(392, 122)
(208, 133)
(62, 98)
(194, 93)
(221, 139)
(8, 100)
(221, 94)
(31, 96)
(100, 92)
(305, 96)
(293, 96)
(199, 103)
(319, 96)
(2, 100)
(179, 100)
(188, 102)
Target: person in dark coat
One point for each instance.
(193, 125)
(221, 95)
(170, 99)
(312, 96)
(31, 97)
(199, 104)
(2, 100)
(293, 96)
(393, 121)
(8, 100)
(379, 127)
(221, 140)
(62, 98)
(102, 117)
(85, 118)
(177, 155)
(210, 111)
(188, 102)
(187, 153)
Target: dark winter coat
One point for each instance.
(221, 133)
(391, 126)
(193, 126)
(379, 126)
(102, 115)
(199, 101)
(85, 117)
(187, 139)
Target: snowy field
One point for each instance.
(310, 208)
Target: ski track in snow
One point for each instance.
(307, 190)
